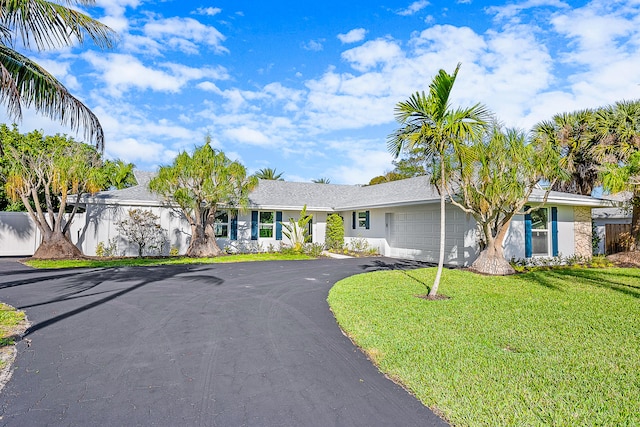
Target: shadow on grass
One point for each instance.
(615, 280)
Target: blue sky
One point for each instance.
(309, 88)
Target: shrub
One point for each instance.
(141, 228)
(313, 249)
(334, 239)
(107, 250)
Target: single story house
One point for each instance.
(400, 219)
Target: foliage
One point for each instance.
(298, 231)
(428, 123)
(141, 228)
(42, 171)
(321, 181)
(334, 237)
(313, 250)
(117, 175)
(177, 260)
(595, 238)
(492, 178)
(46, 25)
(554, 347)
(410, 163)
(199, 184)
(541, 263)
(387, 177)
(269, 174)
(107, 250)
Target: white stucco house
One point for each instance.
(400, 219)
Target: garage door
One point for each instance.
(415, 234)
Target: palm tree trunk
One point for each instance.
(491, 260)
(434, 289)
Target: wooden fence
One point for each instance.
(617, 238)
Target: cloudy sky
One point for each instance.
(309, 88)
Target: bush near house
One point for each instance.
(334, 238)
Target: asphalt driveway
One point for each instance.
(250, 344)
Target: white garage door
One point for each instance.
(415, 234)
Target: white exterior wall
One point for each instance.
(514, 240)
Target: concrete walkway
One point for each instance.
(250, 344)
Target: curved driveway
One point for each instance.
(251, 344)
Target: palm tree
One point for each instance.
(321, 181)
(23, 83)
(269, 174)
(429, 123)
(574, 136)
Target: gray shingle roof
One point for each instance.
(326, 197)
(618, 212)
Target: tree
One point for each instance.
(412, 163)
(298, 231)
(199, 184)
(118, 175)
(334, 239)
(575, 137)
(492, 179)
(42, 171)
(141, 227)
(618, 127)
(321, 181)
(387, 177)
(269, 174)
(23, 83)
(430, 124)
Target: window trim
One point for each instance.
(271, 224)
(222, 224)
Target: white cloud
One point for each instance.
(247, 135)
(511, 11)
(353, 36)
(413, 8)
(209, 11)
(185, 34)
(313, 45)
(373, 53)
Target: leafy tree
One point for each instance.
(412, 163)
(492, 179)
(269, 174)
(618, 128)
(298, 231)
(574, 136)
(199, 184)
(117, 175)
(141, 227)
(42, 171)
(334, 237)
(46, 25)
(321, 181)
(387, 177)
(428, 123)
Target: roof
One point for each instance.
(286, 195)
(615, 212)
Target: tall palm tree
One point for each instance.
(23, 83)
(428, 122)
(575, 137)
(269, 174)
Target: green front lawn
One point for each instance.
(129, 262)
(558, 347)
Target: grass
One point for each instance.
(558, 347)
(11, 321)
(129, 262)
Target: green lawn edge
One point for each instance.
(133, 262)
(557, 347)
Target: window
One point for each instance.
(266, 225)
(363, 219)
(221, 224)
(540, 232)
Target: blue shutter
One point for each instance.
(278, 225)
(353, 220)
(528, 250)
(554, 231)
(234, 226)
(254, 225)
(366, 220)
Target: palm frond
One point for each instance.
(40, 90)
